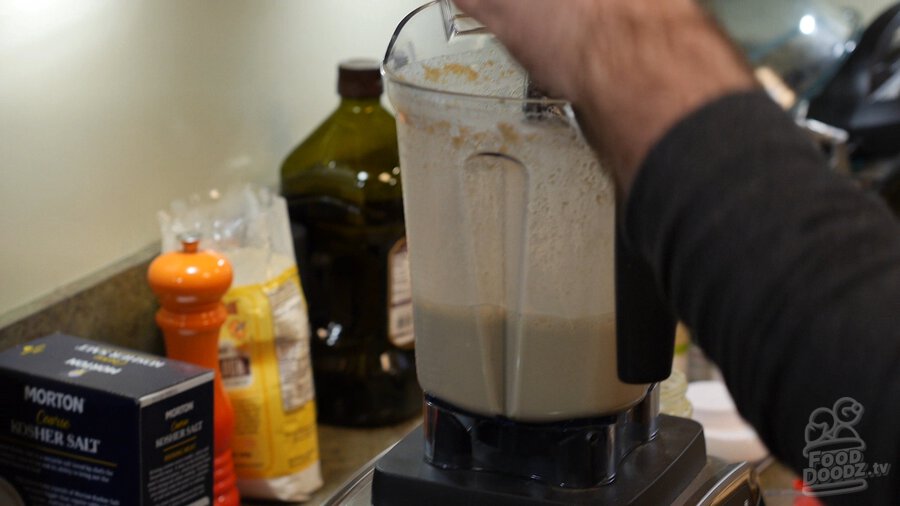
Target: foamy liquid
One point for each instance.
(524, 366)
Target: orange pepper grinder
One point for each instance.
(190, 285)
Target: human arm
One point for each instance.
(787, 274)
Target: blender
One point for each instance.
(540, 338)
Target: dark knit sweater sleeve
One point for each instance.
(787, 274)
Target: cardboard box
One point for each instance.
(85, 423)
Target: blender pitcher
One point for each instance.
(539, 335)
(511, 223)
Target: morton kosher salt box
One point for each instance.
(85, 423)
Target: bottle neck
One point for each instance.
(360, 105)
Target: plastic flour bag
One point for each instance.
(264, 343)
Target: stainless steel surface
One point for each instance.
(358, 489)
(722, 484)
(343, 451)
(647, 412)
(357, 492)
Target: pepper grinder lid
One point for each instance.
(190, 279)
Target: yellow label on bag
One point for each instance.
(264, 357)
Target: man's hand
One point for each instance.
(631, 68)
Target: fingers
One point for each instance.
(541, 34)
(496, 15)
(482, 9)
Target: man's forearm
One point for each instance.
(788, 275)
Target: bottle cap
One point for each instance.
(360, 78)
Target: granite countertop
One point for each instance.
(344, 451)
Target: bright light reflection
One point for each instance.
(27, 21)
(807, 24)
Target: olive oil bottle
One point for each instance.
(343, 189)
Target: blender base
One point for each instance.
(656, 472)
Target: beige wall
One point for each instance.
(110, 109)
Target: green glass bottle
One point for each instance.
(343, 189)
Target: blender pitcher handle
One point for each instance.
(645, 325)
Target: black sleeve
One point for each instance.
(788, 276)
